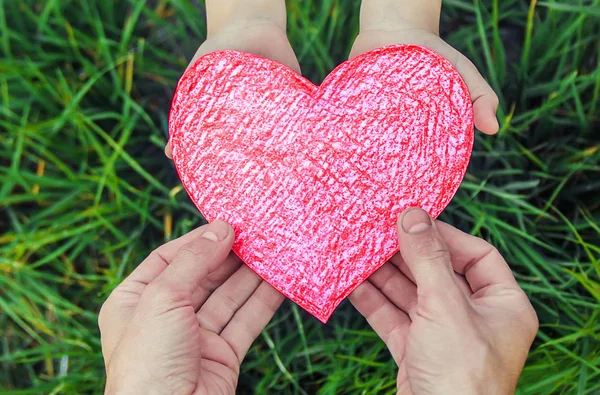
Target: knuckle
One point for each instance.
(229, 303)
(196, 251)
(439, 256)
(526, 314)
(493, 252)
(158, 255)
(438, 303)
(191, 250)
(432, 249)
(160, 292)
(531, 318)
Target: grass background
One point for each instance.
(86, 193)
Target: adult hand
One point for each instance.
(182, 322)
(448, 334)
(253, 26)
(388, 22)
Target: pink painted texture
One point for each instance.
(313, 178)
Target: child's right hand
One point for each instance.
(253, 26)
(389, 22)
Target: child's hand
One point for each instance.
(182, 322)
(388, 22)
(253, 26)
(448, 335)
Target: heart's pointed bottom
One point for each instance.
(324, 312)
(313, 178)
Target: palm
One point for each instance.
(219, 367)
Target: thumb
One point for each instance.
(193, 262)
(425, 252)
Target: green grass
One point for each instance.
(86, 193)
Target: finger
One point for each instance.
(392, 283)
(485, 101)
(215, 279)
(484, 110)
(160, 258)
(194, 261)
(227, 299)
(397, 261)
(390, 323)
(121, 303)
(119, 306)
(425, 252)
(249, 321)
(477, 260)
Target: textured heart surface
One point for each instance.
(312, 178)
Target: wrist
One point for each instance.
(131, 382)
(228, 14)
(394, 15)
(132, 388)
(487, 377)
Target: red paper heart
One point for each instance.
(312, 178)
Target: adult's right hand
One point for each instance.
(253, 26)
(448, 334)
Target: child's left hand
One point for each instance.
(388, 22)
(253, 26)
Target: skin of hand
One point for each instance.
(253, 26)
(449, 310)
(388, 22)
(184, 319)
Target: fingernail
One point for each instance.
(415, 220)
(216, 231)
